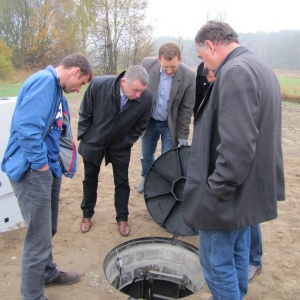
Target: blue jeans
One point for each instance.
(38, 198)
(224, 258)
(256, 250)
(154, 130)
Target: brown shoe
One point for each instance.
(85, 224)
(64, 278)
(123, 228)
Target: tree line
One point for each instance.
(281, 50)
(113, 33)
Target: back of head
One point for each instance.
(137, 72)
(168, 51)
(80, 61)
(216, 32)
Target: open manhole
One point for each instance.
(158, 268)
(154, 268)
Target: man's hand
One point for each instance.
(182, 142)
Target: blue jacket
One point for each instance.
(35, 110)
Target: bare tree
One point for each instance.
(38, 32)
(112, 32)
(14, 16)
(118, 34)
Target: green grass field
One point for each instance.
(290, 88)
(11, 87)
(289, 83)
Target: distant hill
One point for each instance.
(281, 50)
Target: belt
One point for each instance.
(158, 120)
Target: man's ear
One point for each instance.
(209, 45)
(122, 81)
(76, 72)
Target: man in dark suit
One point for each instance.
(235, 174)
(108, 128)
(204, 78)
(173, 86)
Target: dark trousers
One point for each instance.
(38, 198)
(120, 164)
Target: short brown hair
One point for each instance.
(80, 61)
(168, 51)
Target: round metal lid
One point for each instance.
(163, 190)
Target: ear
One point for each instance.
(122, 81)
(210, 45)
(76, 71)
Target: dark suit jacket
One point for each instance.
(101, 123)
(202, 85)
(182, 97)
(235, 174)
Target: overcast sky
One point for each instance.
(184, 17)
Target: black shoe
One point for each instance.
(64, 278)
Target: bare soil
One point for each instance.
(85, 253)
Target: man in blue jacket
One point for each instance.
(34, 165)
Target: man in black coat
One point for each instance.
(107, 128)
(235, 175)
(204, 78)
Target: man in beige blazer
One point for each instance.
(173, 86)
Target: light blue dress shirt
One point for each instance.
(123, 96)
(160, 110)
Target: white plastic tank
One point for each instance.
(10, 215)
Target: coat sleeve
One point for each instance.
(32, 115)
(186, 108)
(141, 125)
(86, 112)
(238, 104)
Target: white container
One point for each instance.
(10, 215)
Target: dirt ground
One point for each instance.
(85, 253)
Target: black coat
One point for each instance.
(202, 85)
(101, 123)
(235, 174)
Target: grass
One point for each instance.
(289, 83)
(10, 87)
